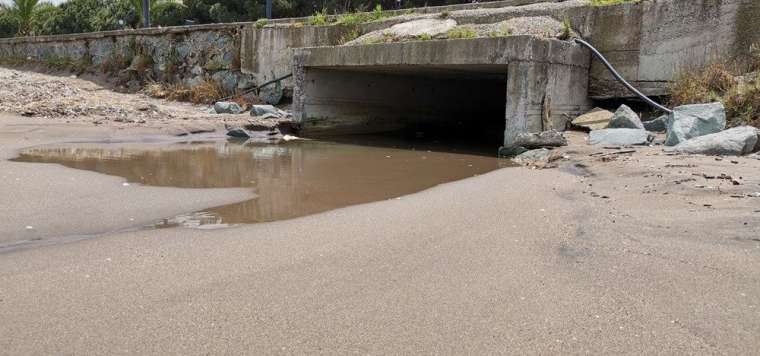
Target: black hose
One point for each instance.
(256, 88)
(620, 78)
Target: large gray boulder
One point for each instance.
(659, 124)
(550, 138)
(732, 142)
(227, 107)
(619, 137)
(625, 118)
(690, 121)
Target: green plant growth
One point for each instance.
(425, 37)
(567, 29)
(319, 18)
(610, 2)
(23, 12)
(461, 32)
(444, 15)
(260, 23)
(735, 83)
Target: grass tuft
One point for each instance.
(735, 83)
(461, 32)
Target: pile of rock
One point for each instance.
(695, 129)
(268, 124)
(535, 148)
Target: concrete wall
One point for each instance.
(652, 41)
(380, 87)
(648, 41)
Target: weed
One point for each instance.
(567, 29)
(350, 35)
(734, 83)
(425, 37)
(444, 15)
(610, 2)
(207, 92)
(260, 23)
(461, 32)
(319, 18)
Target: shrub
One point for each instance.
(169, 13)
(319, 18)
(9, 25)
(732, 82)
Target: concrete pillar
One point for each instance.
(526, 88)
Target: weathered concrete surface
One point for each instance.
(349, 88)
(186, 54)
(649, 41)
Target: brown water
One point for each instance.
(290, 180)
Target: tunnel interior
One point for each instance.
(456, 105)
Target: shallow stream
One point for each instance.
(290, 180)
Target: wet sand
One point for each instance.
(607, 254)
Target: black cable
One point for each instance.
(620, 78)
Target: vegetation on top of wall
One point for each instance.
(735, 83)
(610, 2)
(77, 16)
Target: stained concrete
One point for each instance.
(382, 87)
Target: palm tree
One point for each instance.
(154, 4)
(22, 10)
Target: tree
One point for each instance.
(22, 11)
(8, 24)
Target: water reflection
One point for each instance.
(290, 180)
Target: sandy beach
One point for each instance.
(606, 254)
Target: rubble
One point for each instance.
(550, 138)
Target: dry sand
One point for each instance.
(606, 254)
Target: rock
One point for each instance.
(657, 125)
(732, 142)
(550, 138)
(625, 118)
(256, 137)
(238, 133)
(272, 94)
(261, 110)
(536, 157)
(133, 86)
(226, 79)
(619, 137)
(412, 29)
(511, 151)
(246, 82)
(227, 107)
(595, 119)
(196, 70)
(689, 121)
(539, 26)
(192, 82)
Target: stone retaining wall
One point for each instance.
(183, 54)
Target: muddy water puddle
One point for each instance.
(290, 180)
